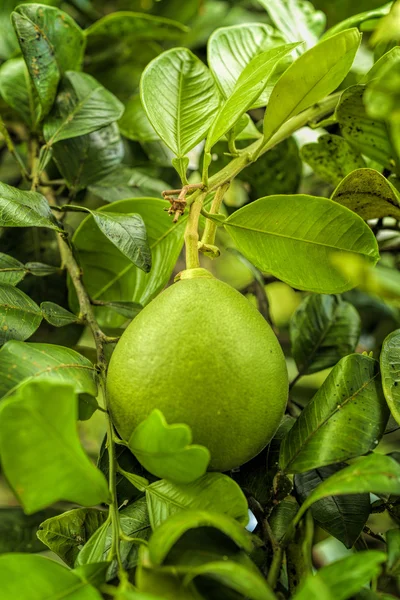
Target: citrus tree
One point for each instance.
(208, 440)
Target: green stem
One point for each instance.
(211, 227)
(192, 233)
(12, 149)
(275, 568)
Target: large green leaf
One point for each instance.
(389, 360)
(214, 491)
(343, 578)
(190, 98)
(17, 90)
(42, 579)
(116, 278)
(247, 89)
(18, 530)
(22, 362)
(346, 418)
(323, 329)
(40, 450)
(24, 209)
(124, 183)
(369, 194)
(65, 534)
(332, 158)
(166, 450)
(89, 158)
(369, 136)
(295, 238)
(359, 20)
(134, 123)
(343, 516)
(20, 316)
(83, 105)
(314, 75)
(231, 49)
(51, 43)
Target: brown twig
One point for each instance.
(178, 205)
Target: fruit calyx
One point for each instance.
(194, 274)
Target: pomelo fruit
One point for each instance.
(203, 355)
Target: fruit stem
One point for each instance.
(192, 233)
(211, 227)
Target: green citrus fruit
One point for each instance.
(203, 355)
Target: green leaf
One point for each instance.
(82, 106)
(393, 550)
(390, 58)
(379, 281)
(140, 483)
(40, 450)
(296, 20)
(212, 492)
(342, 516)
(282, 515)
(323, 329)
(369, 194)
(314, 75)
(87, 159)
(390, 372)
(18, 531)
(116, 278)
(190, 99)
(11, 270)
(248, 88)
(346, 418)
(375, 474)
(343, 578)
(369, 136)
(167, 450)
(169, 532)
(65, 534)
(51, 44)
(40, 269)
(57, 315)
(42, 579)
(231, 49)
(359, 20)
(242, 580)
(24, 209)
(134, 123)
(128, 233)
(125, 182)
(22, 362)
(17, 90)
(332, 158)
(295, 238)
(19, 315)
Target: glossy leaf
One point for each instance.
(24, 209)
(65, 534)
(189, 98)
(247, 89)
(48, 464)
(51, 43)
(344, 578)
(19, 315)
(134, 123)
(167, 450)
(124, 183)
(82, 106)
(23, 362)
(17, 90)
(11, 270)
(359, 20)
(128, 233)
(231, 49)
(369, 136)
(116, 278)
(342, 516)
(332, 158)
(212, 492)
(295, 237)
(389, 360)
(169, 532)
(18, 530)
(87, 159)
(369, 194)
(314, 75)
(390, 58)
(43, 578)
(323, 329)
(282, 515)
(57, 315)
(346, 418)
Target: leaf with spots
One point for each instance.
(346, 418)
(19, 315)
(51, 44)
(57, 315)
(21, 362)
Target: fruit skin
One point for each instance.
(203, 355)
